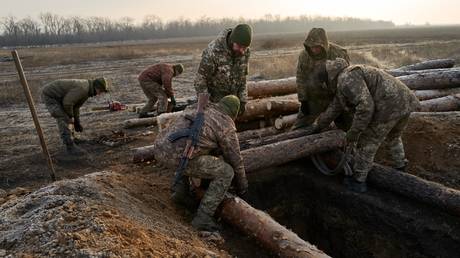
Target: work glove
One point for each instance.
(352, 137)
(173, 101)
(242, 108)
(77, 125)
(300, 123)
(241, 185)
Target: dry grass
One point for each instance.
(273, 67)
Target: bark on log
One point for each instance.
(431, 81)
(256, 134)
(398, 73)
(268, 107)
(257, 142)
(266, 230)
(432, 193)
(143, 154)
(434, 94)
(444, 104)
(285, 122)
(282, 152)
(268, 88)
(430, 64)
(139, 122)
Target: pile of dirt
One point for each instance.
(103, 214)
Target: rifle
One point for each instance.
(193, 135)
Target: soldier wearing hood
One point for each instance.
(313, 94)
(224, 65)
(381, 105)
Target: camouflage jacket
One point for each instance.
(161, 74)
(220, 72)
(309, 88)
(72, 93)
(218, 136)
(372, 95)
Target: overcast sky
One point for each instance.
(398, 11)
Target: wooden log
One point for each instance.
(398, 73)
(430, 81)
(434, 94)
(418, 189)
(430, 64)
(448, 103)
(257, 142)
(285, 122)
(258, 133)
(143, 154)
(139, 122)
(282, 152)
(269, 233)
(268, 88)
(268, 107)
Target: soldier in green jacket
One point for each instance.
(63, 99)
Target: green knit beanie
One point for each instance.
(230, 104)
(242, 34)
(101, 83)
(178, 69)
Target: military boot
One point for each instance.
(204, 222)
(182, 196)
(74, 150)
(354, 185)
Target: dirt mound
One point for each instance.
(103, 214)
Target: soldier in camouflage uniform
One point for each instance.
(63, 99)
(313, 94)
(224, 65)
(381, 105)
(218, 136)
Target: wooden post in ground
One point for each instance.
(33, 111)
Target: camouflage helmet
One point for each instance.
(230, 104)
(101, 84)
(335, 67)
(178, 69)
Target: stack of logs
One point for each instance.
(265, 143)
(274, 102)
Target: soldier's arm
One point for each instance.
(166, 79)
(243, 89)
(230, 146)
(206, 69)
(70, 100)
(356, 93)
(334, 109)
(303, 76)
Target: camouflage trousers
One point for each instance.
(372, 138)
(155, 93)
(219, 172)
(57, 111)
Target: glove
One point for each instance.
(77, 125)
(241, 185)
(242, 108)
(311, 129)
(301, 123)
(352, 137)
(173, 101)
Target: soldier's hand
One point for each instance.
(77, 126)
(242, 108)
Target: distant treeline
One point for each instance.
(51, 28)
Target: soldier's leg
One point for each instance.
(219, 172)
(162, 98)
(57, 111)
(395, 144)
(149, 90)
(367, 146)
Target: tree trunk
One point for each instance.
(434, 94)
(258, 133)
(430, 64)
(421, 190)
(285, 122)
(431, 81)
(143, 154)
(282, 152)
(269, 88)
(268, 107)
(269, 233)
(398, 73)
(448, 103)
(270, 139)
(139, 122)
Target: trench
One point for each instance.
(345, 224)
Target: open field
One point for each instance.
(22, 168)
